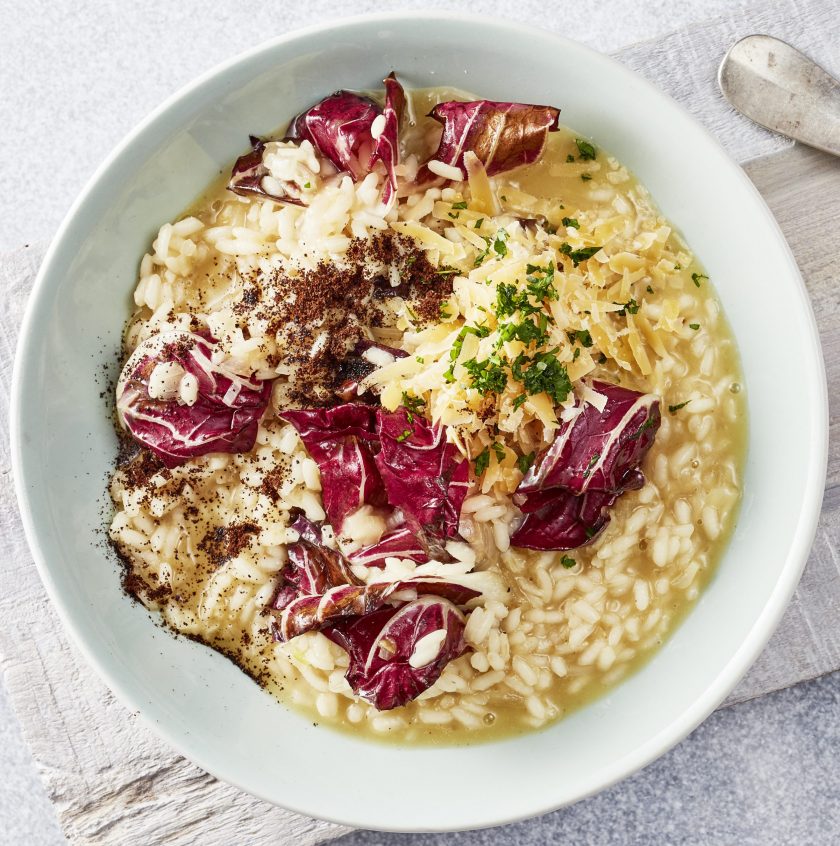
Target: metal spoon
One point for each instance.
(781, 89)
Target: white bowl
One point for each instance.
(63, 440)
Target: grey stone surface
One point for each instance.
(763, 773)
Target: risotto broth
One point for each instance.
(204, 543)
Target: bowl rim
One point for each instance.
(765, 623)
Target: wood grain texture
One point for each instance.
(113, 781)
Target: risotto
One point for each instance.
(430, 421)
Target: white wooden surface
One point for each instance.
(112, 780)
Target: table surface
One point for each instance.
(78, 77)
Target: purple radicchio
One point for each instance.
(342, 440)
(354, 133)
(365, 358)
(594, 458)
(174, 400)
(313, 611)
(397, 653)
(398, 543)
(248, 178)
(312, 568)
(502, 135)
(422, 473)
(387, 147)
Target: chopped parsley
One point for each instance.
(499, 450)
(518, 401)
(571, 221)
(630, 307)
(527, 331)
(446, 271)
(307, 185)
(592, 462)
(482, 461)
(444, 313)
(461, 205)
(677, 266)
(576, 354)
(582, 336)
(478, 223)
(648, 424)
(404, 436)
(570, 158)
(412, 405)
(488, 375)
(586, 177)
(419, 359)
(577, 256)
(483, 254)
(649, 289)
(588, 153)
(499, 245)
(568, 562)
(694, 326)
(524, 462)
(454, 215)
(457, 346)
(545, 374)
(675, 408)
(540, 282)
(696, 278)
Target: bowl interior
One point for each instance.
(64, 442)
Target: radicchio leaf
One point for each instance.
(307, 612)
(396, 654)
(313, 568)
(339, 127)
(599, 450)
(422, 473)
(341, 440)
(387, 149)
(594, 458)
(356, 366)
(398, 543)
(248, 178)
(223, 416)
(559, 519)
(503, 135)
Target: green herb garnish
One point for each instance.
(568, 562)
(577, 256)
(487, 376)
(545, 374)
(630, 307)
(571, 221)
(500, 451)
(478, 223)
(482, 461)
(460, 205)
(675, 408)
(582, 336)
(586, 177)
(592, 462)
(697, 277)
(404, 436)
(524, 462)
(694, 326)
(570, 158)
(588, 152)
(457, 346)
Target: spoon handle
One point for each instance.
(781, 89)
